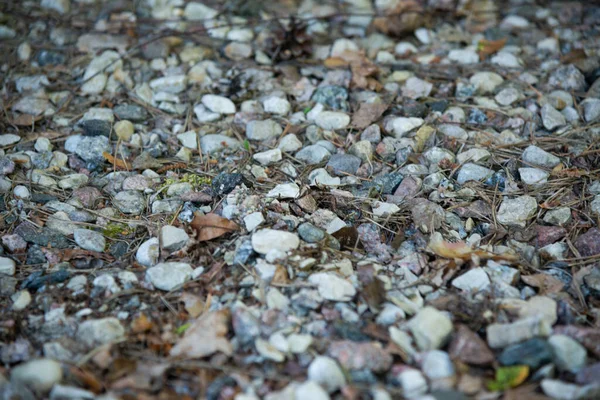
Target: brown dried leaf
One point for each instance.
(546, 283)
(116, 162)
(367, 114)
(212, 226)
(193, 304)
(462, 250)
(281, 276)
(70, 254)
(25, 119)
(335, 62)
(205, 337)
(486, 48)
(141, 324)
(407, 16)
(347, 236)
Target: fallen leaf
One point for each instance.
(280, 276)
(70, 254)
(193, 304)
(347, 236)
(367, 114)
(87, 379)
(407, 16)
(509, 377)
(25, 119)
(141, 324)
(117, 163)
(211, 226)
(546, 283)
(335, 62)
(462, 250)
(486, 48)
(206, 336)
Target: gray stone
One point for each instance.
(430, 328)
(268, 157)
(7, 266)
(169, 275)
(173, 238)
(310, 233)
(503, 335)
(313, 154)
(332, 287)
(516, 212)
(416, 88)
(362, 149)
(148, 252)
(91, 148)
(568, 78)
(289, 143)
(552, 118)
(332, 120)
(486, 82)
(38, 375)
(96, 332)
(474, 280)
(559, 216)
(473, 172)
(213, 143)
(569, 355)
(263, 130)
(130, 202)
(344, 164)
(285, 191)
(265, 240)
(533, 176)
(89, 240)
(591, 109)
(327, 373)
(533, 155)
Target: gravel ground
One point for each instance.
(300, 200)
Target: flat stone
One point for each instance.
(285, 191)
(7, 266)
(588, 244)
(415, 88)
(326, 372)
(38, 375)
(313, 154)
(332, 287)
(430, 328)
(516, 212)
(268, 157)
(474, 280)
(289, 143)
(169, 275)
(503, 335)
(569, 355)
(218, 104)
(400, 126)
(263, 130)
(173, 238)
(486, 82)
(253, 220)
(469, 348)
(96, 332)
(534, 353)
(215, 142)
(89, 240)
(552, 118)
(332, 120)
(360, 355)
(130, 202)
(266, 240)
(473, 172)
(533, 176)
(344, 164)
(310, 233)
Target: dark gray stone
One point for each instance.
(343, 164)
(310, 233)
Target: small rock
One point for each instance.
(38, 375)
(533, 155)
(332, 120)
(7, 266)
(169, 275)
(320, 177)
(362, 149)
(473, 172)
(253, 220)
(332, 287)
(89, 240)
(569, 78)
(360, 355)
(591, 109)
(384, 210)
(310, 390)
(534, 353)
(474, 280)
(344, 164)
(516, 212)
(173, 238)
(552, 118)
(21, 192)
(263, 130)
(412, 382)
(268, 157)
(588, 244)
(96, 332)
(285, 191)
(469, 348)
(310, 233)
(60, 392)
(268, 351)
(266, 240)
(148, 252)
(289, 143)
(503, 335)
(218, 104)
(14, 243)
(486, 82)
(313, 154)
(130, 202)
(439, 369)
(400, 126)
(277, 105)
(415, 88)
(326, 372)
(20, 300)
(8, 138)
(533, 176)
(569, 355)
(430, 328)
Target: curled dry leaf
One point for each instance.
(462, 250)
(486, 48)
(206, 336)
(212, 226)
(117, 163)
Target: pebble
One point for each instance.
(263, 130)
(213, 143)
(130, 202)
(289, 143)
(61, 392)
(7, 266)
(533, 176)
(473, 172)
(8, 138)
(266, 240)
(89, 240)
(38, 375)
(96, 332)
(502, 335)
(310, 233)
(412, 382)
(344, 164)
(474, 280)
(400, 126)
(535, 156)
(253, 220)
(332, 287)
(148, 252)
(439, 369)
(326, 372)
(430, 328)
(169, 275)
(569, 355)
(277, 105)
(534, 353)
(20, 300)
(218, 104)
(173, 238)
(310, 390)
(469, 348)
(486, 82)
(313, 154)
(552, 118)
(285, 191)
(517, 211)
(332, 120)
(268, 157)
